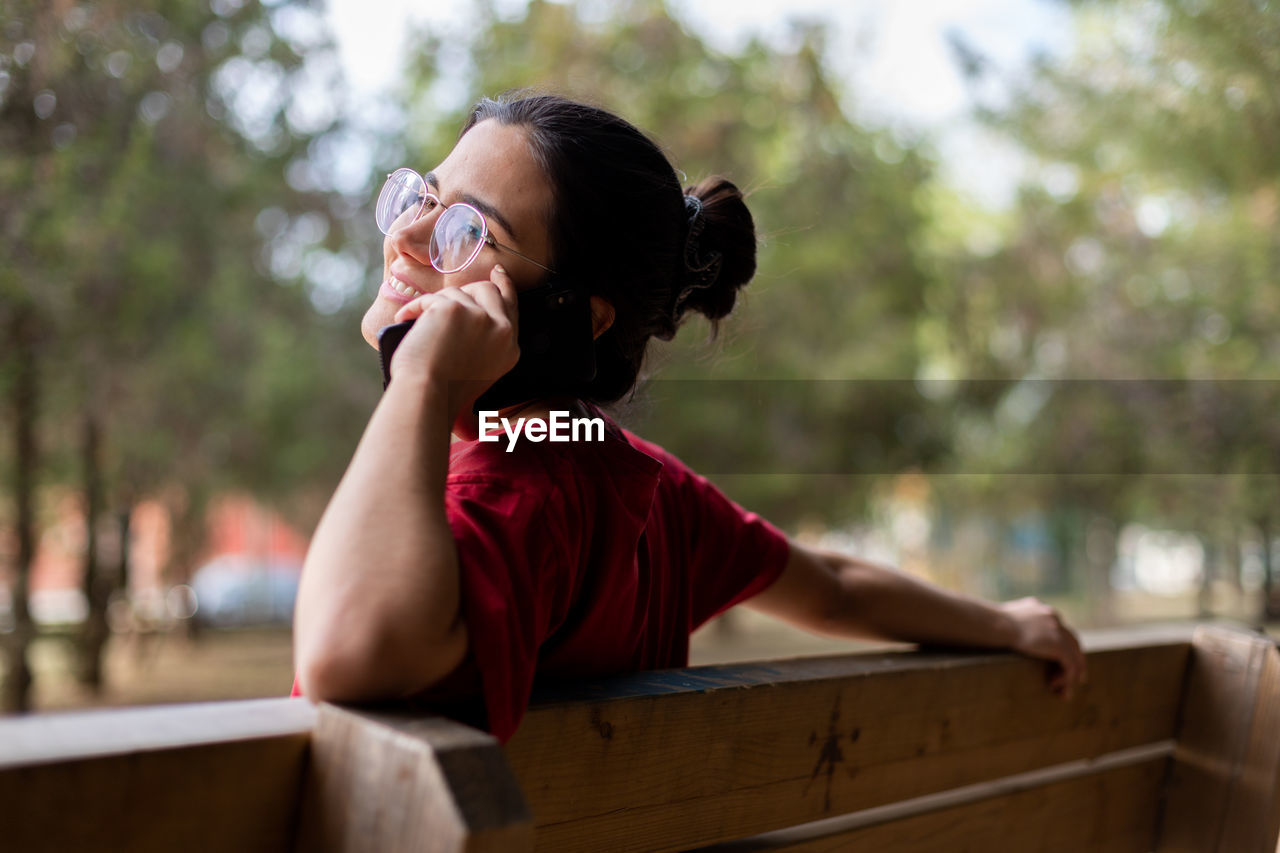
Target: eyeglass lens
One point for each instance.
(458, 234)
(399, 200)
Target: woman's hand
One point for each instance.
(464, 338)
(1041, 633)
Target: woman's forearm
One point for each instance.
(841, 596)
(883, 603)
(378, 606)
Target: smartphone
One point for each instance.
(557, 350)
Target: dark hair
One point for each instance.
(623, 228)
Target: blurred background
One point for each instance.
(1016, 326)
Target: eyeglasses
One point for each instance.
(459, 234)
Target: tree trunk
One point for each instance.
(26, 402)
(1101, 541)
(1232, 564)
(1063, 528)
(96, 588)
(1270, 604)
(186, 543)
(124, 520)
(1204, 600)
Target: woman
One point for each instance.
(459, 571)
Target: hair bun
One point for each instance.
(720, 249)
(701, 267)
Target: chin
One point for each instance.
(380, 313)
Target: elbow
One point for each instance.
(319, 680)
(346, 671)
(330, 676)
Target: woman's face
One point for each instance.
(491, 168)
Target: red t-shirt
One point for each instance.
(581, 559)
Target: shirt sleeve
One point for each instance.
(736, 554)
(511, 562)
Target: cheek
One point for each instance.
(470, 275)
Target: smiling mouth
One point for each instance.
(403, 289)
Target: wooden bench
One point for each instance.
(1174, 745)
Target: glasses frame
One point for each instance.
(486, 236)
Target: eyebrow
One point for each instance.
(480, 205)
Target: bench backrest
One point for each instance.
(1173, 745)
(209, 776)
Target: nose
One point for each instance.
(413, 239)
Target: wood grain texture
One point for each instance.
(1111, 812)
(1224, 792)
(216, 776)
(726, 752)
(401, 781)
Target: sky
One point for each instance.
(894, 56)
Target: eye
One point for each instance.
(429, 202)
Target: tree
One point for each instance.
(142, 143)
(1145, 261)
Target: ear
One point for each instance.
(601, 316)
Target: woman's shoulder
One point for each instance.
(675, 472)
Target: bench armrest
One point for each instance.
(401, 781)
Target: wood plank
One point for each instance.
(79, 735)
(724, 752)
(213, 776)
(1109, 812)
(1253, 813)
(1224, 792)
(398, 781)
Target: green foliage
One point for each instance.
(132, 177)
(1146, 251)
(172, 236)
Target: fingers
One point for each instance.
(1072, 664)
(1057, 679)
(496, 297)
(415, 309)
(1050, 637)
(422, 304)
(1082, 663)
(490, 296)
(510, 300)
(498, 276)
(1063, 683)
(1074, 661)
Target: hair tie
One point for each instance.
(702, 271)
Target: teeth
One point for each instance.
(400, 287)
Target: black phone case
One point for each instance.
(389, 337)
(557, 352)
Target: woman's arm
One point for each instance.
(378, 606)
(378, 612)
(838, 595)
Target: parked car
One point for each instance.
(235, 590)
